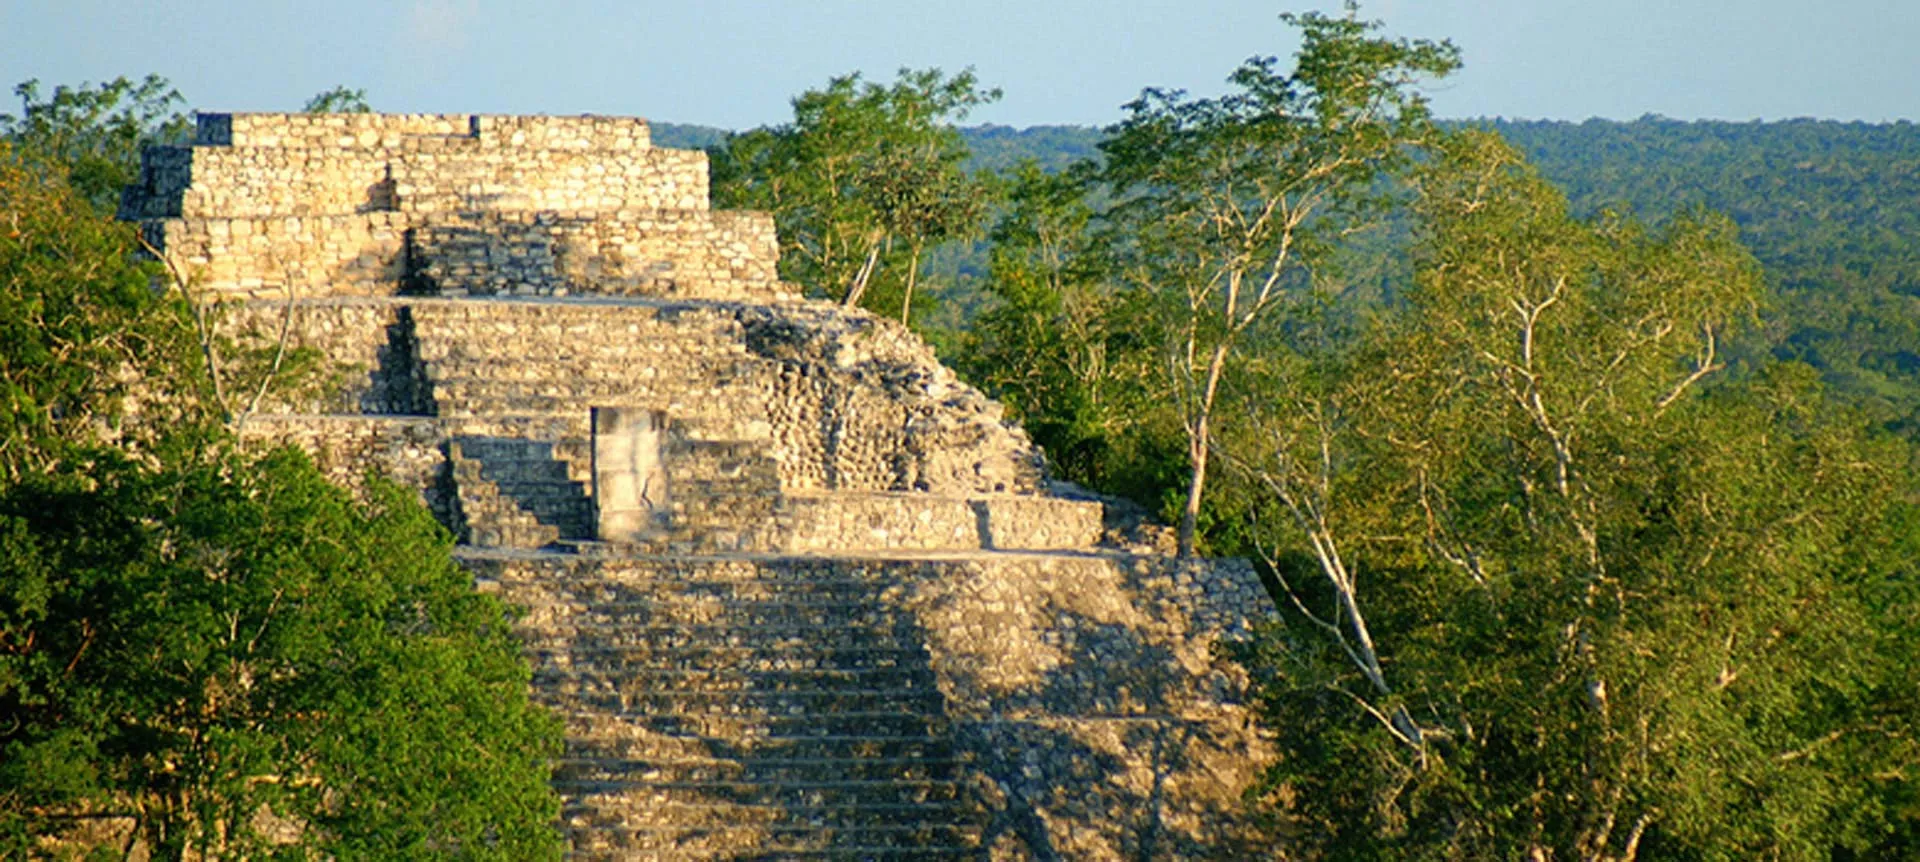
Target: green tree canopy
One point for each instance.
(92, 134)
(1549, 591)
(862, 182)
(339, 100)
(1223, 204)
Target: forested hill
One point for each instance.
(997, 148)
(1831, 209)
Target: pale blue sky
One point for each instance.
(735, 63)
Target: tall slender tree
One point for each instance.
(861, 182)
(1224, 204)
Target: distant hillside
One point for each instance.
(685, 136)
(1831, 209)
(995, 148)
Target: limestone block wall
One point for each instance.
(858, 403)
(408, 450)
(682, 254)
(676, 254)
(370, 344)
(842, 521)
(423, 175)
(585, 132)
(270, 205)
(1088, 692)
(287, 257)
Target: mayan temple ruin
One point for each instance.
(796, 590)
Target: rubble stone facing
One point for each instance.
(859, 626)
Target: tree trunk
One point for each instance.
(859, 285)
(1199, 440)
(913, 275)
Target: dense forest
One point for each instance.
(1577, 459)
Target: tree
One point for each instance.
(207, 652)
(1549, 592)
(1064, 345)
(864, 176)
(92, 135)
(1224, 203)
(220, 660)
(338, 100)
(84, 331)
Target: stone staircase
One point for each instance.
(744, 712)
(516, 494)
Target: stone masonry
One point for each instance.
(796, 590)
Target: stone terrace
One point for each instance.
(796, 590)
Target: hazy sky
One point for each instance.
(736, 63)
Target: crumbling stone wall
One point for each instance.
(844, 400)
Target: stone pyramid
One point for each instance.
(797, 591)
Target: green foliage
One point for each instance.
(1548, 593)
(1052, 149)
(197, 646)
(1826, 207)
(1224, 205)
(83, 329)
(686, 136)
(92, 135)
(1066, 347)
(861, 183)
(339, 100)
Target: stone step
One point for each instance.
(549, 497)
(732, 853)
(750, 723)
(571, 518)
(510, 488)
(620, 739)
(630, 658)
(592, 335)
(633, 354)
(776, 842)
(588, 768)
(818, 794)
(462, 406)
(466, 383)
(891, 575)
(527, 469)
(598, 630)
(600, 592)
(746, 614)
(653, 681)
(546, 501)
(511, 536)
(694, 612)
(642, 809)
(515, 449)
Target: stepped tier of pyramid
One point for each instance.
(797, 591)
